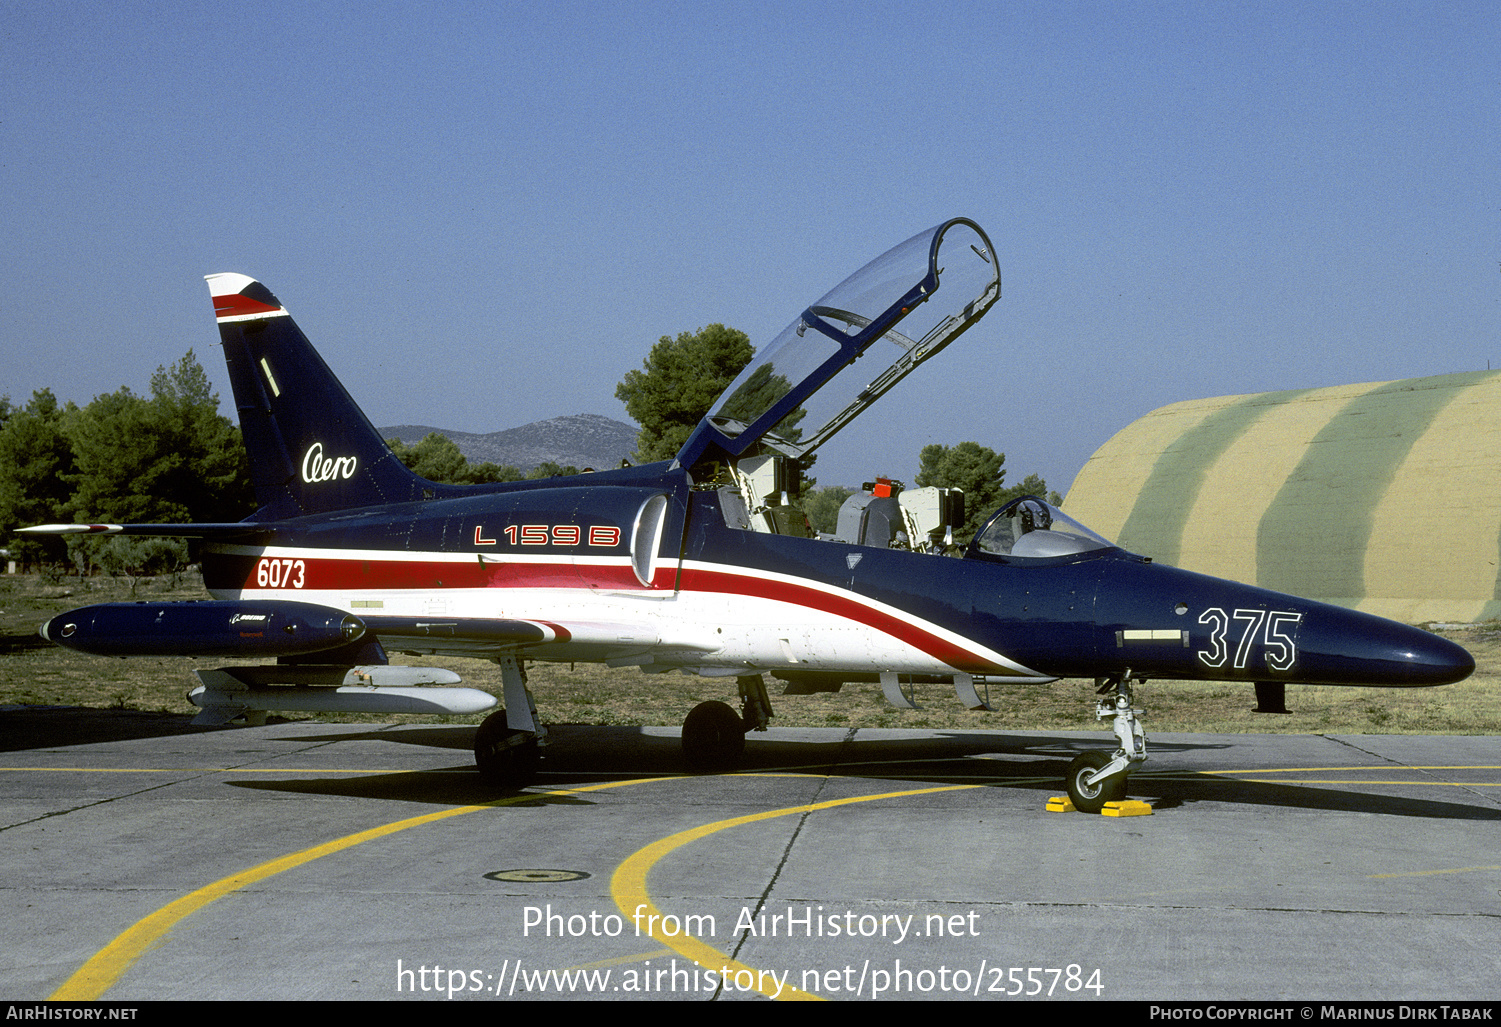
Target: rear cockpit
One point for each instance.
(887, 515)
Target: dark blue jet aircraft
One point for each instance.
(697, 564)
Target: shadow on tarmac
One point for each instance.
(586, 753)
(1037, 763)
(51, 727)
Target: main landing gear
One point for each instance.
(505, 756)
(714, 734)
(508, 743)
(1097, 777)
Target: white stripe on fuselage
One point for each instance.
(754, 632)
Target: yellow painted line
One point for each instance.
(107, 965)
(628, 885)
(876, 775)
(1430, 873)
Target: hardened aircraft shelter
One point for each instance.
(1384, 497)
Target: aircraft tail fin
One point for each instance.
(311, 448)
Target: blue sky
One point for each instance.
(484, 214)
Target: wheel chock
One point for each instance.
(1124, 808)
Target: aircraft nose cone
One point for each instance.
(1437, 660)
(59, 629)
(1359, 649)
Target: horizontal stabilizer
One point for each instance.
(223, 699)
(221, 532)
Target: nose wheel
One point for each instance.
(1086, 789)
(1097, 777)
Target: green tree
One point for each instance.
(822, 507)
(972, 467)
(756, 396)
(1032, 485)
(676, 385)
(551, 469)
(487, 471)
(36, 468)
(169, 458)
(211, 475)
(117, 456)
(978, 470)
(436, 458)
(130, 556)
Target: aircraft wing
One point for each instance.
(621, 643)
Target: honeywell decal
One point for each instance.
(316, 467)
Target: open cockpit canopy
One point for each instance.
(853, 345)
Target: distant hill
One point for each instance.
(582, 440)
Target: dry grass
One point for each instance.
(32, 672)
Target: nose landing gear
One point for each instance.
(1097, 777)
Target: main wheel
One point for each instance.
(713, 736)
(504, 756)
(1092, 798)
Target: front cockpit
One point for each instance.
(1032, 529)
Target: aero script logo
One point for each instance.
(316, 467)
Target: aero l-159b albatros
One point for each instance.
(700, 563)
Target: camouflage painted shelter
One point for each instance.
(1385, 497)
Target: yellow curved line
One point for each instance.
(628, 885)
(107, 965)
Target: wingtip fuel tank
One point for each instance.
(251, 629)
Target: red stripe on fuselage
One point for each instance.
(280, 573)
(848, 607)
(240, 573)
